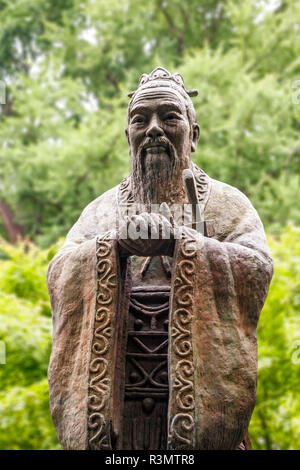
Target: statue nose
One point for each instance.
(154, 131)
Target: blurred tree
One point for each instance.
(68, 67)
(275, 422)
(25, 419)
(25, 329)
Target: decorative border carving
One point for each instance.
(203, 184)
(125, 198)
(182, 423)
(101, 360)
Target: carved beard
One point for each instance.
(157, 177)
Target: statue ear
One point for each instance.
(127, 136)
(195, 137)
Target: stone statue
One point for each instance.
(155, 313)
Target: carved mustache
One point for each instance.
(154, 143)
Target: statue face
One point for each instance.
(159, 128)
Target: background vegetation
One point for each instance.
(68, 67)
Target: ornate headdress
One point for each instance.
(161, 77)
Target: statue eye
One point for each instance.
(171, 117)
(138, 120)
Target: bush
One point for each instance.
(25, 328)
(276, 418)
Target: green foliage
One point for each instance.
(23, 273)
(25, 330)
(68, 67)
(26, 334)
(247, 131)
(25, 421)
(275, 423)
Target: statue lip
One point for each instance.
(156, 146)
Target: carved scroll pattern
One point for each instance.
(182, 369)
(203, 184)
(125, 197)
(100, 364)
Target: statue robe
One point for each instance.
(218, 288)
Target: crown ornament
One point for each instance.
(160, 74)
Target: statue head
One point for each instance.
(162, 132)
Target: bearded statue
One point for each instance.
(156, 297)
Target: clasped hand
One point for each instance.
(147, 234)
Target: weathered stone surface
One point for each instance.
(232, 274)
(103, 292)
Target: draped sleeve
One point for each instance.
(218, 291)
